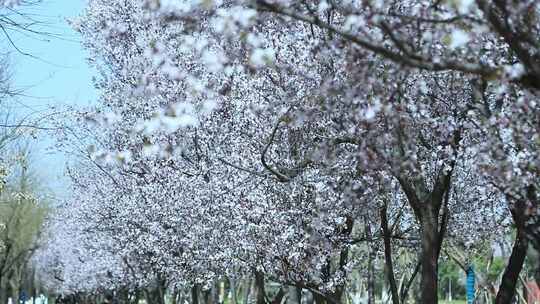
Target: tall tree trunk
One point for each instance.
(259, 284)
(160, 294)
(3, 292)
(318, 299)
(247, 291)
(521, 216)
(371, 278)
(207, 294)
(388, 254)
(278, 298)
(426, 204)
(33, 288)
(337, 294)
(430, 257)
(148, 296)
(195, 294)
(510, 277)
(15, 288)
(174, 297)
(370, 266)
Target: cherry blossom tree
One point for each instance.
(253, 137)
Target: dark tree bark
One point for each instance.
(507, 289)
(405, 289)
(388, 253)
(430, 257)
(279, 296)
(318, 299)
(160, 292)
(371, 267)
(3, 293)
(247, 291)
(174, 296)
(427, 204)
(259, 284)
(195, 294)
(343, 259)
(207, 296)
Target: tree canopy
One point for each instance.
(292, 141)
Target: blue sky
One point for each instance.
(59, 76)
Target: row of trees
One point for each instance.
(295, 142)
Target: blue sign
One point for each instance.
(470, 285)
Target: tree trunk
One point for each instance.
(3, 293)
(232, 290)
(430, 257)
(195, 294)
(337, 294)
(297, 295)
(426, 205)
(371, 278)
(181, 297)
(207, 294)
(388, 254)
(370, 266)
(247, 291)
(318, 299)
(259, 284)
(174, 297)
(160, 295)
(52, 300)
(147, 297)
(513, 268)
(407, 286)
(155, 295)
(278, 298)
(15, 288)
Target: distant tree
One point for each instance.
(22, 213)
